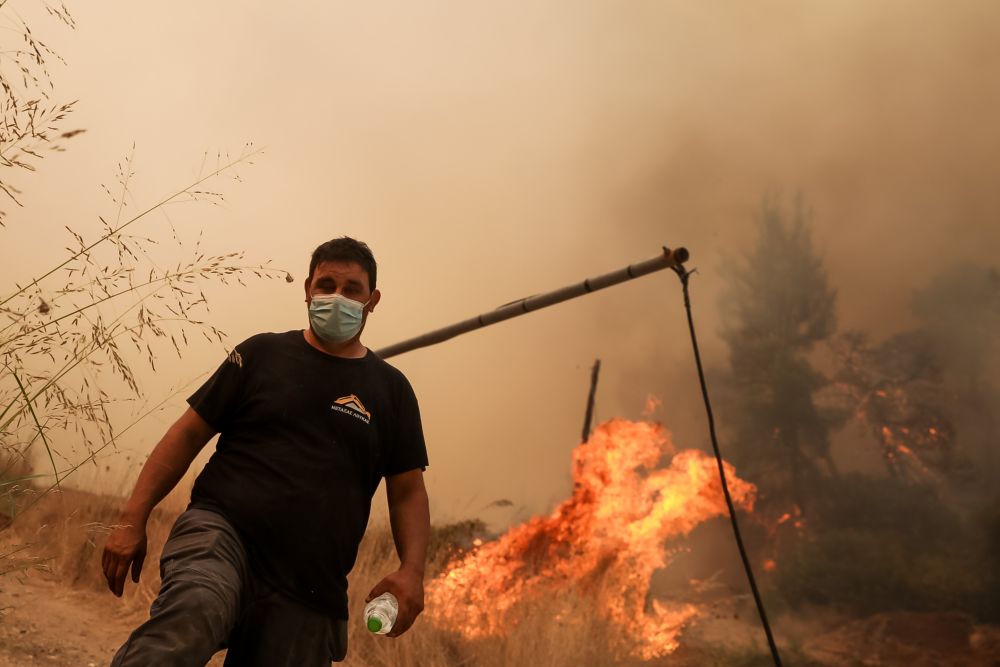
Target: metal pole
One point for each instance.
(667, 259)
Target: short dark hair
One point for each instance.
(345, 249)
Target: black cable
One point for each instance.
(684, 274)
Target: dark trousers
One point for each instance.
(210, 600)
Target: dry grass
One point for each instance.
(73, 337)
(534, 638)
(65, 534)
(31, 118)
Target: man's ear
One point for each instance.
(305, 286)
(373, 301)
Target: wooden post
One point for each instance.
(588, 417)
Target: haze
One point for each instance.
(489, 151)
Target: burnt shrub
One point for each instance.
(880, 545)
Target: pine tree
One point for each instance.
(776, 307)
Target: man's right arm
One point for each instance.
(170, 459)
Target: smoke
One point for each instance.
(959, 313)
(489, 152)
(877, 116)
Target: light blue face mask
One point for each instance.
(336, 318)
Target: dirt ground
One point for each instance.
(47, 623)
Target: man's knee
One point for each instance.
(186, 626)
(206, 603)
(203, 568)
(203, 565)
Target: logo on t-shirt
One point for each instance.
(352, 405)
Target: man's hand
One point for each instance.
(408, 587)
(126, 546)
(409, 517)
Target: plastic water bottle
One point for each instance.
(380, 613)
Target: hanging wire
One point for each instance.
(684, 275)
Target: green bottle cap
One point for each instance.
(374, 624)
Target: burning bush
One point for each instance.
(602, 544)
(886, 545)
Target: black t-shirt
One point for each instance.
(305, 439)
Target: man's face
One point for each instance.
(347, 279)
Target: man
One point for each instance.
(310, 421)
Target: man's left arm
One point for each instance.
(409, 516)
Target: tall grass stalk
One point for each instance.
(31, 117)
(74, 334)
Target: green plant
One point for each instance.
(887, 545)
(777, 305)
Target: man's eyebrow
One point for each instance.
(328, 280)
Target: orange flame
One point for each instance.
(894, 444)
(796, 514)
(607, 539)
(653, 404)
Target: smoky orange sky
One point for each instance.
(489, 151)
